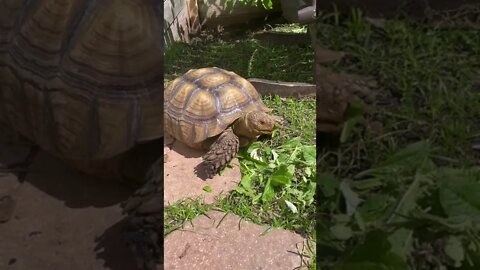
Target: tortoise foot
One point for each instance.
(144, 209)
(222, 151)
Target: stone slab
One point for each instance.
(234, 244)
(184, 177)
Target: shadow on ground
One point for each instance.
(112, 250)
(61, 218)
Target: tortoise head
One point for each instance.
(254, 124)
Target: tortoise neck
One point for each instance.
(241, 127)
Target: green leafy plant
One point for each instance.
(287, 173)
(430, 208)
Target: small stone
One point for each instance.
(12, 261)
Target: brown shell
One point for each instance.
(82, 78)
(204, 102)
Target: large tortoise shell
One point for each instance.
(204, 102)
(82, 78)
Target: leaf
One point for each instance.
(274, 155)
(341, 232)
(401, 239)
(230, 4)
(257, 198)
(472, 261)
(402, 242)
(207, 189)
(374, 246)
(282, 176)
(368, 184)
(347, 129)
(308, 171)
(372, 253)
(309, 193)
(267, 4)
(454, 250)
(310, 155)
(351, 198)
(414, 154)
(245, 185)
(459, 194)
(411, 157)
(268, 192)
(254, 154)
(355, 109)
(292, 207)
(374, 207)
(341, 218)
(328, 184)
(353, 114)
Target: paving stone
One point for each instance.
(184, 176)
(233, 244)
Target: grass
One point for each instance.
(278, 173)
(290, 28)
(407, 197)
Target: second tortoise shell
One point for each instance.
(204, 102)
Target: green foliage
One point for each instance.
(286, 173)
(403, 219)
(407, 197)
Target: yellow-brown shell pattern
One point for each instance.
(82, 78)
(204, 102)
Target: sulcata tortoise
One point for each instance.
(215, 110)
(83, 79)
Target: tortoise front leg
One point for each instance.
(221, 152)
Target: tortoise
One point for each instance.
(216, 110)
(83, 80)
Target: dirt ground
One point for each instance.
(60, 219)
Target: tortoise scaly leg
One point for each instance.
(144, 211)
(222, 151)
